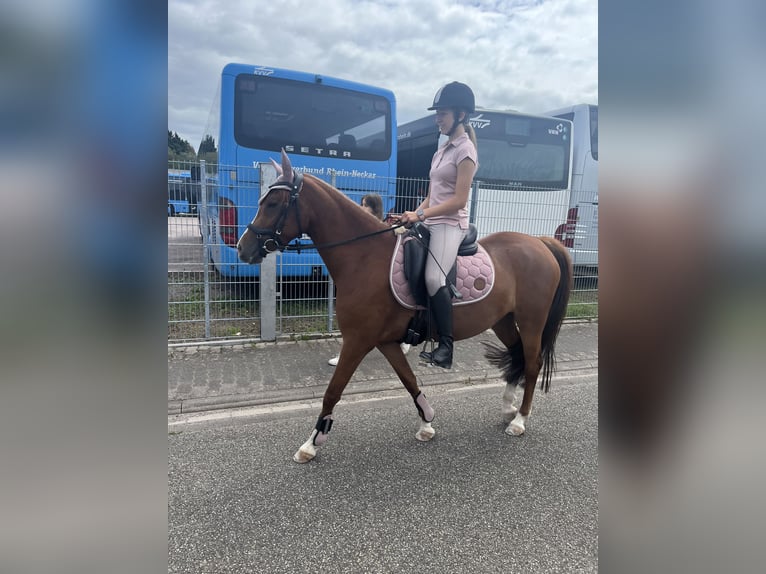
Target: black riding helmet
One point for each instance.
(454, 95)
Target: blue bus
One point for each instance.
(179, 188)
(340, 131)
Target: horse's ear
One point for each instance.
(287, 168)
(276, 166)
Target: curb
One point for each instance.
(204, 404)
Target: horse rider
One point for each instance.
(443, 210)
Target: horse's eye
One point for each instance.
(271, 204)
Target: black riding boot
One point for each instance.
(441, 307)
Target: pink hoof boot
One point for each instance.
(424, 409)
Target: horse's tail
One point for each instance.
(511, 360)
(558, 309)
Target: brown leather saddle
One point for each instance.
(416, 254)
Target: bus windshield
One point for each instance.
(522, 151)
(311, 119)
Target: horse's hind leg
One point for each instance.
(506, 331)
(510, 399)
(393, 353)
(522, 360)
(533, 362)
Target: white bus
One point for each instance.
(580, 233)
(524, 175)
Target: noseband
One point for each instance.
(273, 237)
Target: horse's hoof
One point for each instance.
(303, 456)
(515, 429)
(426, 432)
(425, 435)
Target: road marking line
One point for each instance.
(495, 384)
(243, 412)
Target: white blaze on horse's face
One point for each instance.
(241, 237)
(284, 174)
(246, 231)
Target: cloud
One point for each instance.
(525, 55)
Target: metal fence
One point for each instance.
(205, 305)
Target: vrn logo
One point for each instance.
(479, 122)
(561, 128)
(261, 71)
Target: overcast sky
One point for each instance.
(527, 55)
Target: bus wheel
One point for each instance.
(171, 210)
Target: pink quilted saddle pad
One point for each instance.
(475, 277)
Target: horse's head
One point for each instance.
(277, 221)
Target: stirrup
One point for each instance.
(426, 355)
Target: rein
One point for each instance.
(274, 236)
(339, 243)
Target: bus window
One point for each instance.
(313, 119)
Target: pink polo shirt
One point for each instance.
(444, 177)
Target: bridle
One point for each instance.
(273, 240)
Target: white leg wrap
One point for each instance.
(426, 432)
(517, 426)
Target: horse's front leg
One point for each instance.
(308, 449)
(350, 357)
(393, 353)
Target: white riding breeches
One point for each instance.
(444, 243)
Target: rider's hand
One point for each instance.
(409, 217)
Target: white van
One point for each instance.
(580, 233)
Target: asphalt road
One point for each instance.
(375, 500)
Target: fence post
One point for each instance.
(268, 294)
(202, 214)
(330, 282)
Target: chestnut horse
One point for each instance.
(525, 309)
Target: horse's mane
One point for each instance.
(343, 201)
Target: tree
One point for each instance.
(207, 145)
(208, 151)
(179, 149)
